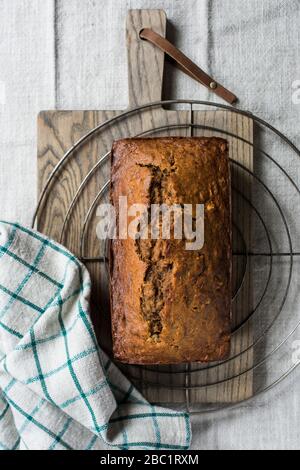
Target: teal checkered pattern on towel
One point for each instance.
(58, 389)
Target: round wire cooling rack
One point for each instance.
(265, 264)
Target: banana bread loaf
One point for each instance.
(169, 303)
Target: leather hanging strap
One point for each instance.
(186, 65)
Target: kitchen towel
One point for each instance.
(58, 389)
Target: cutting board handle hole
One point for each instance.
(140, 32)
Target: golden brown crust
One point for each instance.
(170, 305)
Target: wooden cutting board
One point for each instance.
(60, 130)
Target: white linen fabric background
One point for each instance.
(70, 54)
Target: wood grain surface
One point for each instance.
(60, 130)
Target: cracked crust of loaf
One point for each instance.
(170, 305)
